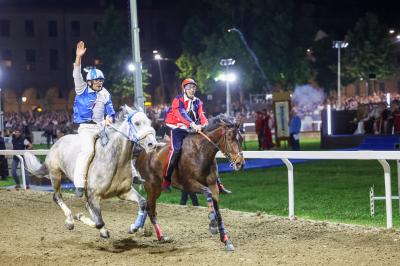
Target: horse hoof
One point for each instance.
(213, 229)
(229, 246)
(69, 226)
(132, 229)
(78, 216)
(104, 233)
(165, 239)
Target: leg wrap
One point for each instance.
(140, 219)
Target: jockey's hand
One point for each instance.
(196, 127)
(108, 120)
(80, 49)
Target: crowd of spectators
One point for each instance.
(53, 124)
(368, 108)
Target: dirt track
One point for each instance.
(32, 233)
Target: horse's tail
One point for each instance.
(34, 166)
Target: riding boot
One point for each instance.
(166, 185)
(222, 189)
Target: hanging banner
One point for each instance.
(282, 113)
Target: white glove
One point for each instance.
(195, 127)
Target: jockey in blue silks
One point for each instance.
(92, 110)
(186, 112)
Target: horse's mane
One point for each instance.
(219, 120)
(123, 112)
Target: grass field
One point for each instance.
(324, 190)
(329, 190)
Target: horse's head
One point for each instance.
(140, 129)
(230, 140)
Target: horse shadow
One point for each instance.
(123, 245)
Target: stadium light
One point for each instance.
(131, 67)
(158, 58)
(229, 77)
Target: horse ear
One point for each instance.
(238, 122)
(128, 109)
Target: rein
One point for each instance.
(217, 147)
(119, 131)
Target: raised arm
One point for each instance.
(77, 74)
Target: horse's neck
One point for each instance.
(119, 142)
(215, 136)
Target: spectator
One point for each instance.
(48, 133)
(19, 142)
(396, 119)
(294, 131)
(260, 129)
(3, 161)
(267, 143)
(193, 197)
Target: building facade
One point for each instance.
(38, 42)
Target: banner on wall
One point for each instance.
(282, 118)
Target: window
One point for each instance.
(30, 57)
(52, 28)
(29, 28)
(75, 29)
(53, 59)
(4, 28)
(6, 58)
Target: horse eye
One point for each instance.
(137, 124)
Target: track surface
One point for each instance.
(32, 232)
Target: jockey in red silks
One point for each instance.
(186, 112)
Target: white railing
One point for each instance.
(381, 156)
(19, 154)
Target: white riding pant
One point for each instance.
(87, 138)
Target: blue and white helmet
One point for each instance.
(94, 73)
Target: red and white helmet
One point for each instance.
(186, 82)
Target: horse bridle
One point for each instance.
(232, 162)
(136, 140)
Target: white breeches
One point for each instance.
(87, 137)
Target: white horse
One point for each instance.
(109, 173)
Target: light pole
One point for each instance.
(227, 63)
(339, 45)
(139, 98)
(158, 58)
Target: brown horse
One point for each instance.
(196, 171)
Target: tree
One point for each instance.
(369, 51)
(114, 50)
(268, 27)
